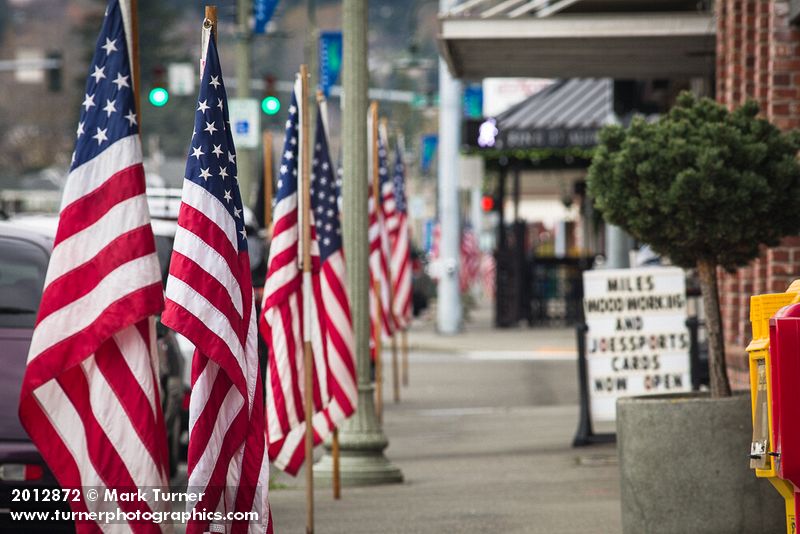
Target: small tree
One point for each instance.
(705, 187)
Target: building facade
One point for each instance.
(757, 57)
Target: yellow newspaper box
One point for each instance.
(765, 449)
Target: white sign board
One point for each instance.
(245, 115)
(637, 343)
(181, 77)
(29, 74)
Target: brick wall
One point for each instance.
(758, 57)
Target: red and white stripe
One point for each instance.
(338, 373)
(90, 398)
(380, 274)
(401, 271)
(380, 300)
(282, 326)
(210, 302)
(396, 243)
(470, 259)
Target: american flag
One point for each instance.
(210, 302)
(90, 399)
(401, 246)
(337, 328)
(470, 259)
(436, 242)
(379, 254)
(282, 313)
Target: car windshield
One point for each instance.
(22, 269)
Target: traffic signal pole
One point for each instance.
(448, 292)
(312, 59)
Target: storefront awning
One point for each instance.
(568, 113)
(566, 45)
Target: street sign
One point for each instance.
(330, 59)
(262, 13)
(637, 342)
(181, 78)
(473, 101)
(245, 116)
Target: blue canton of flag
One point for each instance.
(383, 164)
(324, 192)
(108, 113)
(287, 174)
(400, 182)
(212, 157)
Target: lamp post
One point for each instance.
(361, 437)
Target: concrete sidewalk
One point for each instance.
(480, 335)
(483, 436)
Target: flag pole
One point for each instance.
(401, 145)
(395, 365)
(373, 113)
(404, 350)
(335, 472)
(267, 142)
(211, 15)
(337, 483)
(307, 355)
(376, 288)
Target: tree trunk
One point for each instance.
(717, 369)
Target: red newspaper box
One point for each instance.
(784, 339)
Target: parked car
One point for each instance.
(171, 361)
(23, 264)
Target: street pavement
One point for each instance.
(483, 436)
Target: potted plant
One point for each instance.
(706, 187)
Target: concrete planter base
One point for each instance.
(684, 468)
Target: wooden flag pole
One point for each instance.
(404, 350)
(337, 484)
(211, 15)
(403, 333)
(307, 352)
(395, 370)
(376, 288)
(395, 365)
(267, 142)
(335, 475)
(376, 192)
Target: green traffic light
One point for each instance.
(158, 96)
(271, 105)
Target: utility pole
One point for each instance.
(448, 291)
(312, 59)
(244, 158)
(361, 437)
